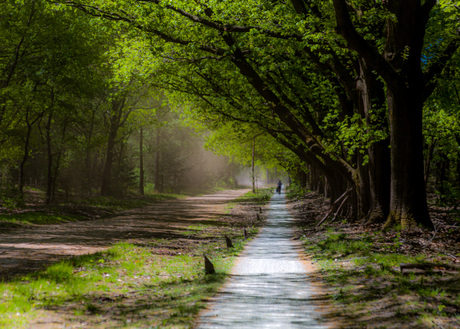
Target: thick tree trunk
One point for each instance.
(379, 178)
(372, 101)
(363, 192)
(400, 67)
(408, 204)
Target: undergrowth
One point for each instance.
(369, 290)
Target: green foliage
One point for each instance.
(248, 70)
(296, 190)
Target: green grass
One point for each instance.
(37, 218)
(103, 205)
(168, 290)
(120, 204)
(364, 281)
(160, 283)
(260, 197)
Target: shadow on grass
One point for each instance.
(385, 300)
(369, 291)
(126, 285)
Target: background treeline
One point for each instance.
(79, 116)
(353, 99)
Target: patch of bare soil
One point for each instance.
(371, 296)
(29, 248)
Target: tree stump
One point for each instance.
(245, 233)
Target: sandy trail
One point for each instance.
(27, 249)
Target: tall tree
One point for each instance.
(295, 80)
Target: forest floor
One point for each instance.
(360, 266)
(31, 247)
(361, 283)
(141, 268)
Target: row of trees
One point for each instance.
(79, 114)
(346, 89)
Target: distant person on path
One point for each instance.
(278, 189)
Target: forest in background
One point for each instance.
(353, 99)
(81, 115)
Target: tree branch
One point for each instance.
(97, 12)
(356, 42)
(225, 27)
(436, 68)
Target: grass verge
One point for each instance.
(361, 267)
(83, 209)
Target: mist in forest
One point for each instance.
(175, 161)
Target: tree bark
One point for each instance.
(253, 174)
(25, 157)
(158, 180)
(50, 156)
(372, 102)
(400, 67)
(141, 161)
(408, 204)
(114, 121)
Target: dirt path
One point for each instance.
(28, 249)
(270, 286)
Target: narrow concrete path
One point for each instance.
(269, 287)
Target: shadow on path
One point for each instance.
(23, 250)
(269, 287)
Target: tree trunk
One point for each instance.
(379, 179)
(372, 102)
(429, 157)
(25, 157)
(50, 156)
(115, 119)
(88, 165)
(141, 161)
(408, 204)
(253, 176)
(106, 186)
(158, 180)
(363, 188)
(442, 178)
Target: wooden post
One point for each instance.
(229, 242)
(208, 267)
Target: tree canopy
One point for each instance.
(340, 91)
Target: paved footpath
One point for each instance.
(269, 287)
